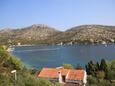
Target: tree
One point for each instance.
(97, 66)
(67, 66)
(91, 68)
(103, 65)
(78, 66)
(111, 70)
(113, 64)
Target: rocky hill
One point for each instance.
(44, 34)
(88, 34)
(32, 33)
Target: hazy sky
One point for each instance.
(61, 14)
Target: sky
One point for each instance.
(60, 14)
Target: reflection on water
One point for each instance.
(31, 50)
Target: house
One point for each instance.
(64, 75)
(19, 44)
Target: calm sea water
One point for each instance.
(55, 56)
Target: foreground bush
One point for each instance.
(9, 61)
(25, 78)
(5, 81)
(93, 81)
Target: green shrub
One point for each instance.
(8, 60)
(78, 66)
(15, 62)
(5, 81)
(67, 66)
(25, 78)
(92, 80)
(100, 74)
(111, 75)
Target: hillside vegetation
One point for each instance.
(25, 77)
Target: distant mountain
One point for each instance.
(40, 33)
(32, 33)
(88, 34)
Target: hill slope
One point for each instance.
(28, 34)
(88, 34)
(48, 35)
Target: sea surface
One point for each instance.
(54, 55)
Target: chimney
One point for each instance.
(85, 78)
(60, 77)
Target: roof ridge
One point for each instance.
(67, 74)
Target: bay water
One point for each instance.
(40, 56)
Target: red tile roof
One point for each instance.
(70, 73)
(76, 75)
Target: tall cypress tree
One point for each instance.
(103, 65)
(91, 68)
(97, 66)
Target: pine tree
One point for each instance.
(103, 65)
(91, 68)
(78, 66)
(97, 66)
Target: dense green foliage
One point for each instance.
(6, 60)
(102, 73)
(25, 78)
(78, 66)
(67, 66)
(93, 81)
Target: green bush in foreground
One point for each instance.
(93, 81)
(24, 78)
(9, 61)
